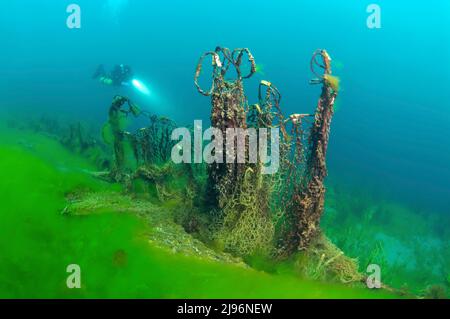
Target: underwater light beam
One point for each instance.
(141, 87)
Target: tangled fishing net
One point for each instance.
(294, 196)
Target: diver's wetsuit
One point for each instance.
(119, 76)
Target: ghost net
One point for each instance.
(253, 207)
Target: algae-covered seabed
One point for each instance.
(124, 250)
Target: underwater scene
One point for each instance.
(239, 149)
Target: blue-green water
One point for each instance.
(390, 135)
(392, 128)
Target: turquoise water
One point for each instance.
(389, 146)
(392, 126)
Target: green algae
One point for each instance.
(412, 258)
(38, 243)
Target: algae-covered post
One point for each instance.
(309, 202)
(118, 134)
(141, 155)
(228, 104)
(235, 188)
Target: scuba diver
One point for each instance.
(121, 75)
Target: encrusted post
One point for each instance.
(228, 104)
(118, 134)
(235, 188)
(311, 199)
